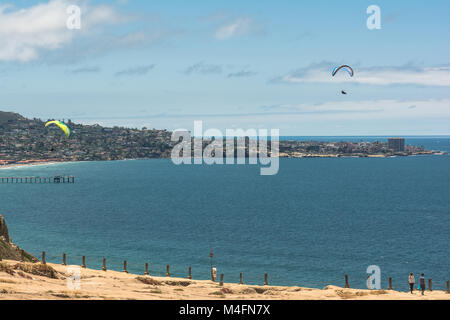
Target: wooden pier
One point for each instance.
(54, 179)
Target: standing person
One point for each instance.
(422, 283)
(411, 282)
(214, 273)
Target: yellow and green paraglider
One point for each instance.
(62, 126)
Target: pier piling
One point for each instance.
(221, 280)
(146, 269)
(390, 283)
(83, 265)
(346, 282)
(266, 279)
(448, 286)
(64, 259)
(430, 288)
(189, 273)
(43, 257)
(125, 266)
(104, 264)
(167, 271)
(36, 180)
(240, 279)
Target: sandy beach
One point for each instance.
(27, 281)
(32, 164)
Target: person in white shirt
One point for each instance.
(411, 282)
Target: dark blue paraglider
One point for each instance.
(345, 67)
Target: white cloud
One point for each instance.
(103, 14)
(321, 73)
(238, 27)
(368, 109)
(331, 110)
(377, 117)
(24, 33)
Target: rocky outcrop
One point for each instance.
(3, 229)
(9, 250)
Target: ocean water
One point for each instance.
(311, 224)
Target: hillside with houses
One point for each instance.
(25, 140)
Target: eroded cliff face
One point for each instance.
(9, 250)
(3, 229)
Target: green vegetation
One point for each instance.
(148, 280)
(4, 244)
(158, 291)
(30, 268)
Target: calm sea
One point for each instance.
(311, 224)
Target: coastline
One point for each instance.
(28, 281)
(38, 163)
(33, 164)
(297, 155)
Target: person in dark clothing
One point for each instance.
(422, 283)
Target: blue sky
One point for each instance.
(232, 64)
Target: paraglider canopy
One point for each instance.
(343, 67)
(62, 126)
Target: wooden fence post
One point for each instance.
(346, 282)
(390, 283)
(43, 257)
(146, 269)
(189, 273)
(167, 271)
(64, 259)
(221, 280)
(240, 279)
(104, 264)
(125, 266)
(266, 280)
(83, 265)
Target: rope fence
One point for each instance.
(147, 269)
(115, 264)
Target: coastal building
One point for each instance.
(396, 144)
